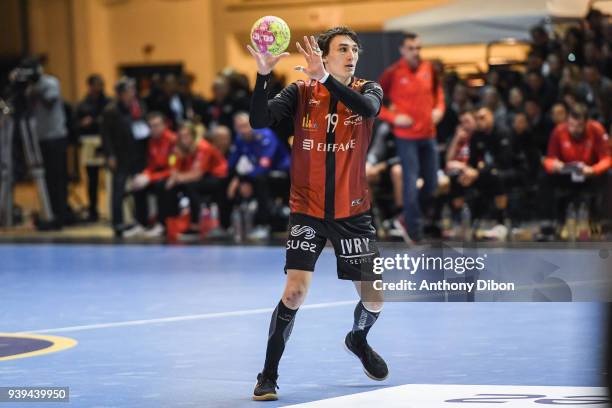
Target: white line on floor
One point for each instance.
(184, 318)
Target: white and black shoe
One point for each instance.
(373, 364)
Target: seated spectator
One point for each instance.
(194, 107)
(221, 138)
(539, 123)
(558, 113)
(223, 105)
(198, 170)
(523, 179)
(255, 154)
(384, 170)
(540, 90)
(490, 156)
(457, 157)
(596, 90)
(492, 100)
(516, 103)
(152, 180)
(578, 157)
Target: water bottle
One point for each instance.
(237, 225)
(466, 223)
(570, 222)
(446, 220)
(582, 227)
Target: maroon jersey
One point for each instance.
(330, 142)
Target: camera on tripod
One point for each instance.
(16, 121)
(26, 73)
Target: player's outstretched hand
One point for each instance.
(314, 58)
(265, 62)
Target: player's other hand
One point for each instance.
(314, 58)
(265, 62)
(403, 120)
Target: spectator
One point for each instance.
(596, 90)
(526, 155)
(539, 90)
(558, 113)
(534, 61)
(553, 69)
(47, 109)
(194, 107)
(457, 158)
(199, 170)
(461, 99)
(492, 100)
(416, 106)
(540, 41)
(152, 180)
(223, 106)
(124, 134)
(516, 104)
(221, 138)
(383, 166)
(578, 156)
(490, 156)
(89, 117)
(255, 154)
(571, 46)
(539, 123)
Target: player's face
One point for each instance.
(484, 120)
(185, 138)
(411, 51)
(575, 127)
(157, 126)
(242, 126)
(341, 60)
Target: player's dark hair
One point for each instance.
(156, 114)
(409, 36)
(579, 111)
(93, 78)
(189, 126)
(324, 39)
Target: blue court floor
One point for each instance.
(162, 326)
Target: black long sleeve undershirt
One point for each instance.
(266, 113)
(366, 103)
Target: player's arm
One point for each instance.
(262, 112)
(367, 103)
(266, 113)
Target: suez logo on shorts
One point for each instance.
(309, 144)
(308, 233)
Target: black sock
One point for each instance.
(364, 319)
(280, 330)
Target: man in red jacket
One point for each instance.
(578, 156)
(416, 105)
(152, 179)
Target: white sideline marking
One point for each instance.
(184, 318)
(465, 396)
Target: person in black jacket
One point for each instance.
(488, 165)
(89, 116)
(124, 134)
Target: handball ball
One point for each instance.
(270, 34)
